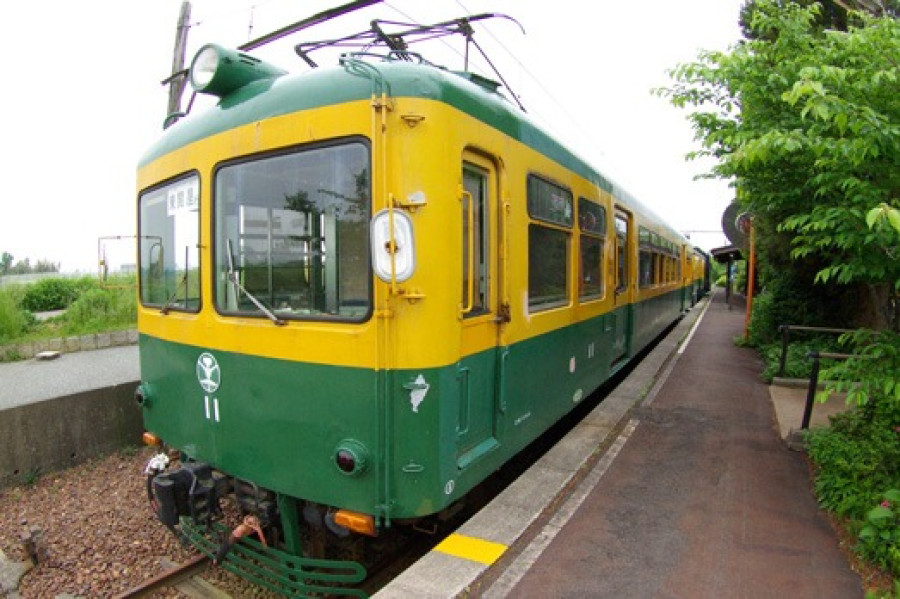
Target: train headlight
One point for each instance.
(393, 246)
(351, 457)
(219, 71)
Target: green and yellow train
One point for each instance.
(363, 289)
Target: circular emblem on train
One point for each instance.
(208, 373)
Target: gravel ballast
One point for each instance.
(93, 532)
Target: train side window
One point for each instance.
(592, 222)
(548, 267)
(646, 258)
(551, 207)
(169, 237)
(475, 184)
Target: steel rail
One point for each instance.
(168, 578)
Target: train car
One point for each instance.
(702, 273)
(696, 269)
(363, 289)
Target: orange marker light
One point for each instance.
(152, 440)
(361, 523)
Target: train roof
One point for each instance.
(358, 79)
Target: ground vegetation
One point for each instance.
(69, 307)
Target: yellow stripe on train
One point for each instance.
(422, 157)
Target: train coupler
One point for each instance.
(191, 490)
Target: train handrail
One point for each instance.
(785, 331)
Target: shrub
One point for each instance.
(55, 293)
(102, 308)
(879, 539)
(857, 459)
(788, 299)
(797, 365)
(13, 320)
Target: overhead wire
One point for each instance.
(477, 61)
(527, 72)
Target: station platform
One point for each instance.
(679, 484)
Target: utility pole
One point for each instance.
(178, 78)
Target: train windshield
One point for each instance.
(292, 234)
(169, 238)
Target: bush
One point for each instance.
(879, 539)
(857, 459)
(100, 309)
(55, 293)
(797, 365)
(13, 321)
(857, 462)
(788, 299)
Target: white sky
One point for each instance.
(82, 100)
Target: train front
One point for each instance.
(258, 334)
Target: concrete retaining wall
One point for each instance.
(62, 432)
(29, 349)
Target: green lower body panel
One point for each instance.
(424, 437)
(276, 423)
(653, 315)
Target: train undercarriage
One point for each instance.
(292, 547)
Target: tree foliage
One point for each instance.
(807, 121)
(832, 14)
(24, 267)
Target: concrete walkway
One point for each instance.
(30, 381)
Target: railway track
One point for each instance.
(170, 578)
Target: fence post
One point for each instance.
(811, 391)
(785, 333)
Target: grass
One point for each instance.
(96, 307)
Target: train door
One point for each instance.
(622, 314)
(477, 370)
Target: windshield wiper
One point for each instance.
(232, 276)
(182, 283)
(171, 300)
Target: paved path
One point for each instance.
(703, 499)
(33, 380)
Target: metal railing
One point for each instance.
(785, 331)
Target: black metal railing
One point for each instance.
(786, 329)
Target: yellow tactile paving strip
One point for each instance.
(471, 548)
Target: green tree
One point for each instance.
(807, 121)
(832, 14)
(6, 261)
(46, 266)
(22, 267)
